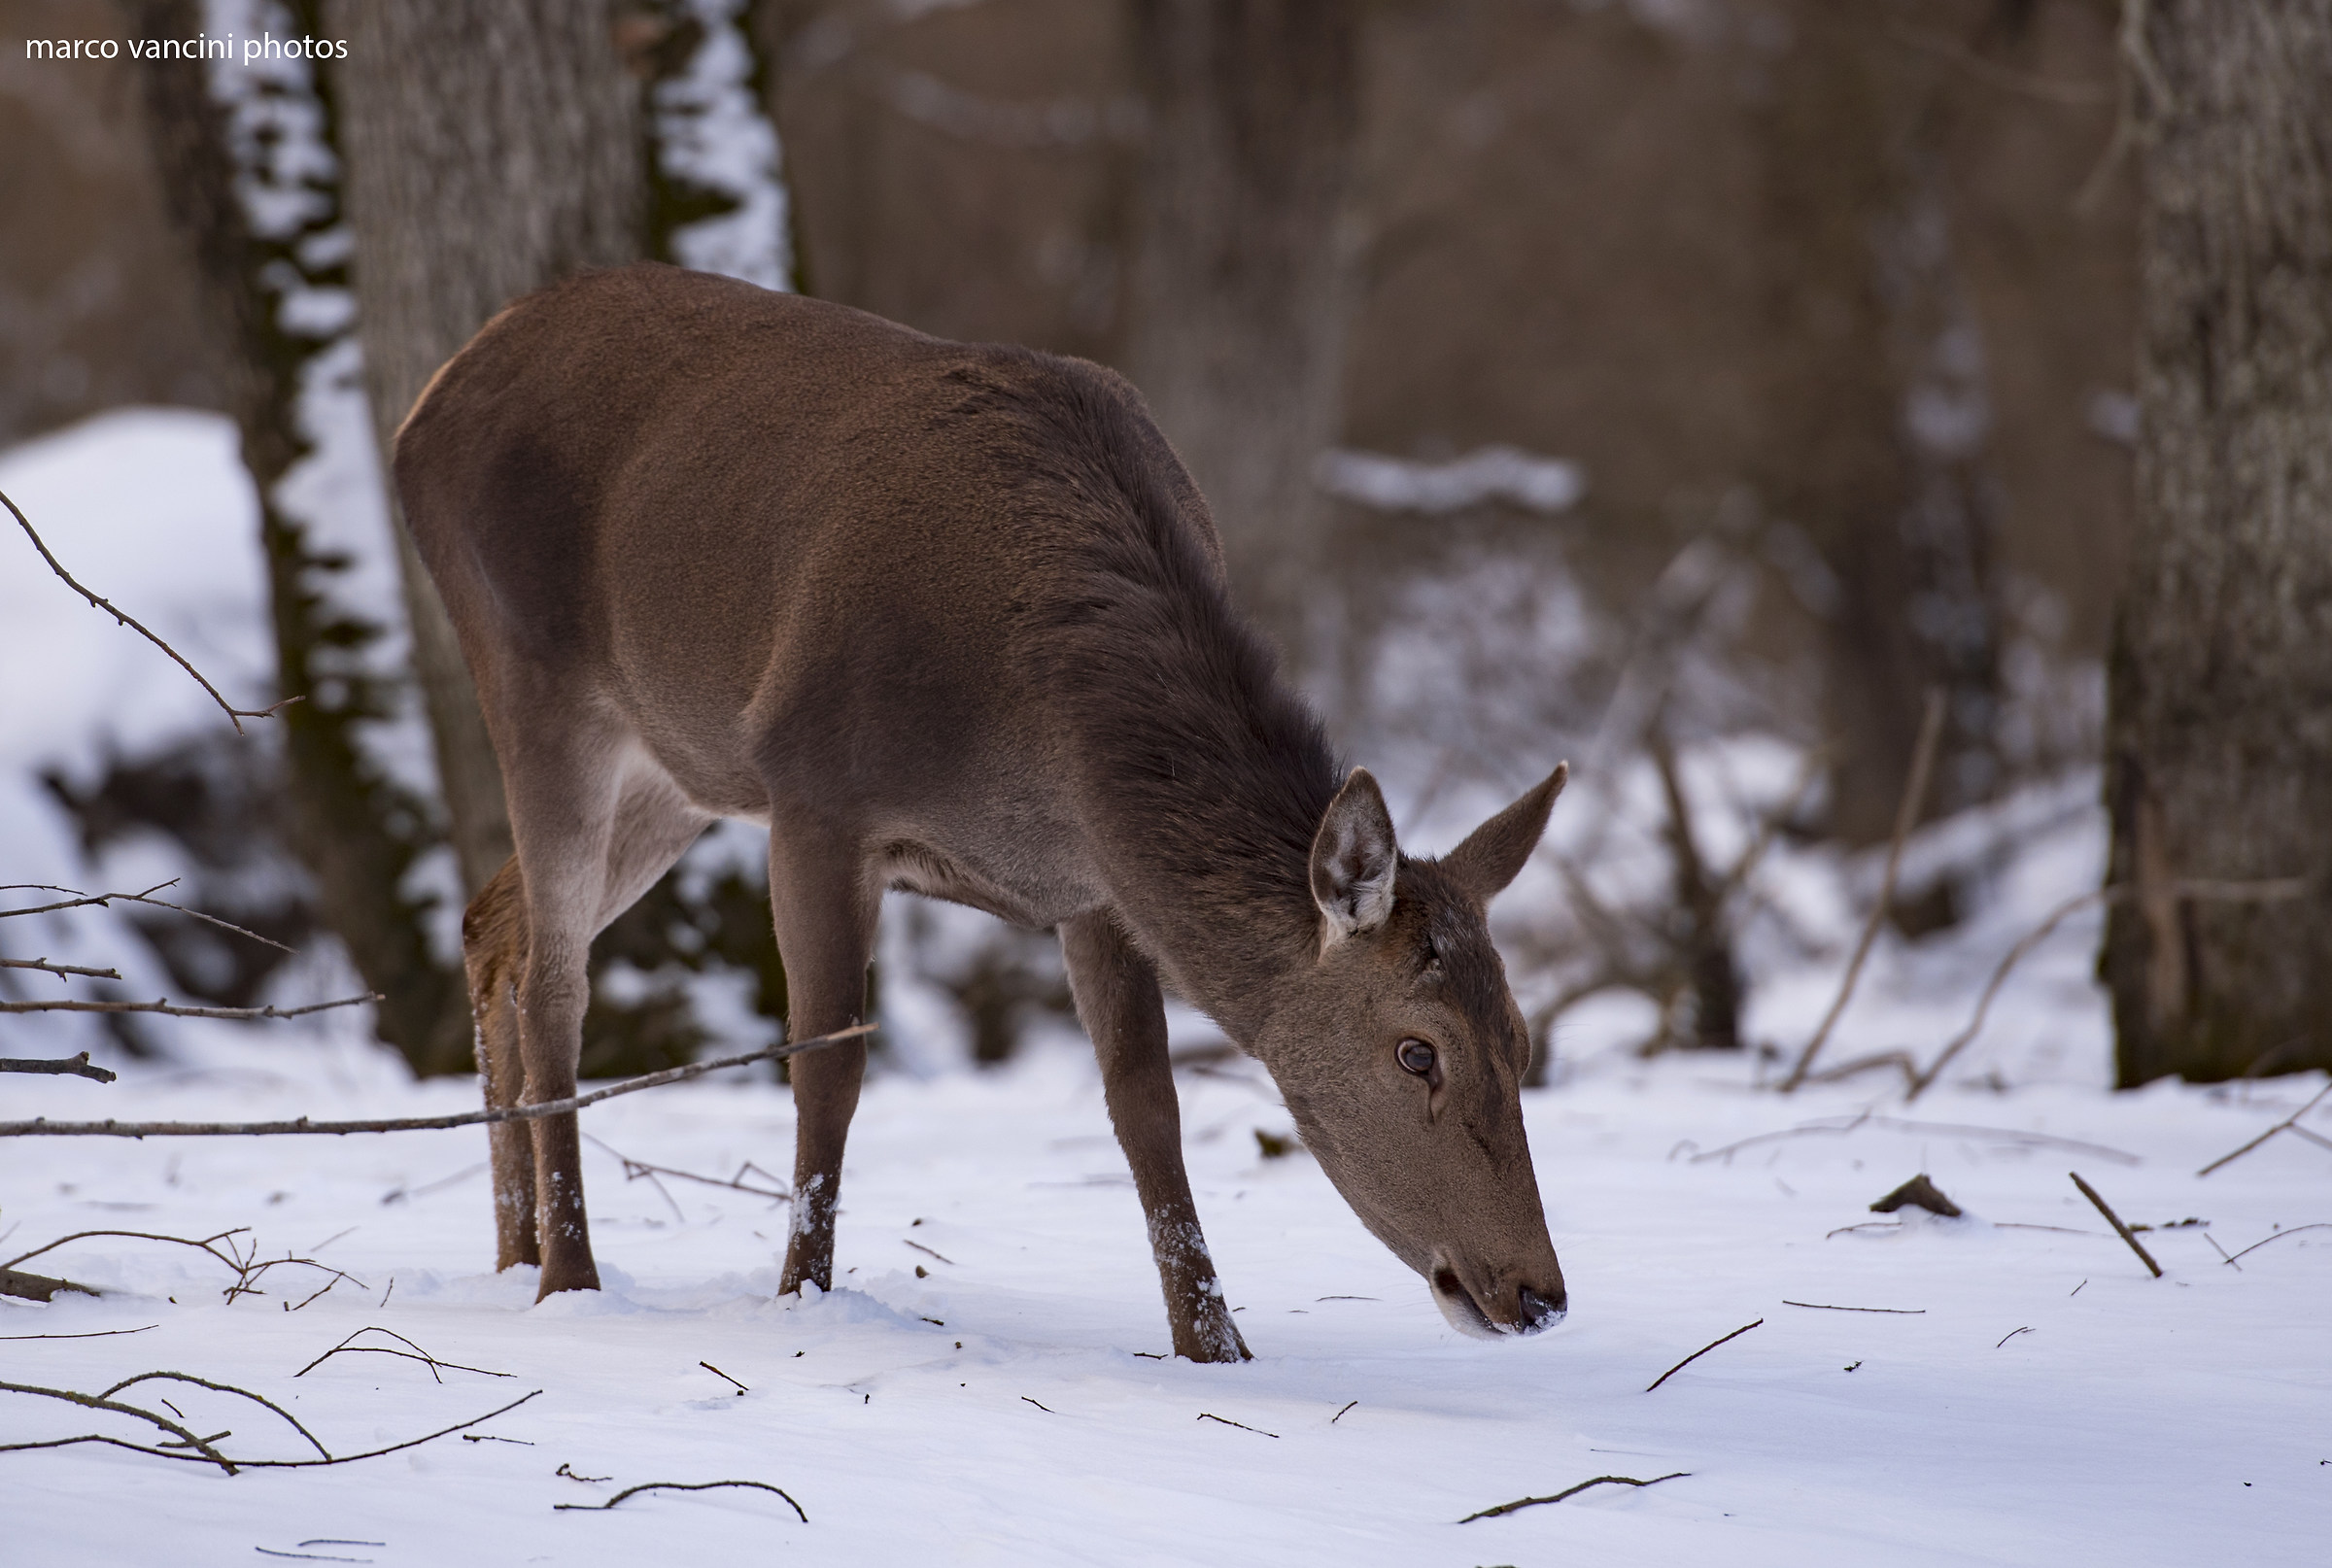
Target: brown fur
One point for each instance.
(948, 618)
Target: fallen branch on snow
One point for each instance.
(185, 1445)
(676, 1487)
(1571, 1491)
(2290, 1124)
(43, 1128)
(249, 1267)
(2113, 1219)
(1698, 1354)
(414, 1353)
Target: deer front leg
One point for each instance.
(824, 912)
(1117, 998)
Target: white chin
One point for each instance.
(1464, 1316)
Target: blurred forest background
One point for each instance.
(1592, 377)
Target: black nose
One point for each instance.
(1541, 1311)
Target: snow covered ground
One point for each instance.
(2032, 1396)
(998, 1407)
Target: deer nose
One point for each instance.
(1539, 1311)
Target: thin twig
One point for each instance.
(1040, 1404)
(234, 1465)
(1571, 1491)
(61, 970)
(234, 715)
(1698, 1354)
(2073, 94)
(2009, 1335)
(2113, 1219)
(2273, 891)
(1841, 1125)
(569, 1470)
(1907, 817)
(172, 1010)
(1824, 1307)
(679, 1486)
(408, 1124)
(77, 1067)
(2278, 1237)
(94, 1333)
(636, 1169)
(1340, 1414)
(2289, 1123)
(414, 1353)
(206, 1245)
(79, 899)
(724, 1376)
(1242, 1425)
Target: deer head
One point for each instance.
(1400, 1051)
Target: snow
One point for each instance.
(1494, 473)
(2167, 1420)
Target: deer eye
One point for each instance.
(1415, 1056)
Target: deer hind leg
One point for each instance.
(824, 906)
(1118, 1002)
(494, 950)
(592, 835)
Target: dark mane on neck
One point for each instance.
(1203, 775)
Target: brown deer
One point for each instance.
(949, 618)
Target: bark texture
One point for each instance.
(355, 832)
(1241, 279)
(2220, 742)
(492, 147)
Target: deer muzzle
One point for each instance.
(1494, 1312)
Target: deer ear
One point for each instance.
(1354, 858)
(1495, 853)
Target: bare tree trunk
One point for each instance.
(493, 147)
(2219, 731)
(351, 825)
(1240, 281)
(1879, 411)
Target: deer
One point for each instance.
(952, 619)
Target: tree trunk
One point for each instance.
(1879, 412)
(2219, 729)
(492, 147)
(1239, 278)
(355, 832)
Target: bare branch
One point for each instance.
(80, 900)
(234, 715)
(2007, 78)
(61, 970)
(43, 1128)
(2278, 1237)
(2290, 1124)
(2273, 891)
(189, 1446)
(678, 1486)
(173, 1010)
(1841, 1125)
(2119, 1229)
(414, 1353)
(1698, 1354)
(1907, 817)
(79, 1067)
(1571, 1491)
